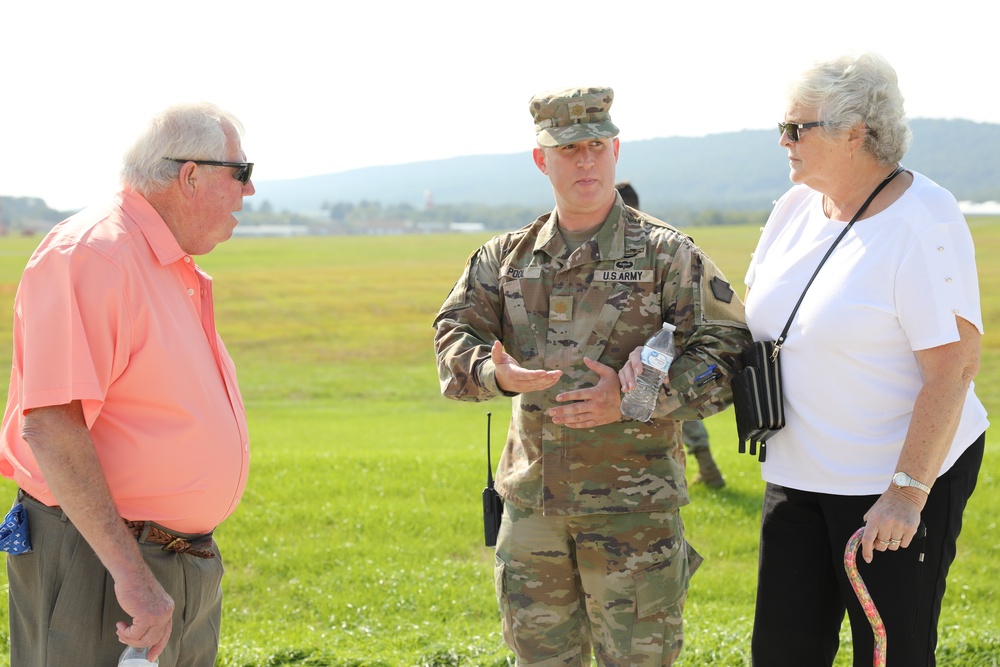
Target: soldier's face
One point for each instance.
(582, 174)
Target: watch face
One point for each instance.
(902, 479)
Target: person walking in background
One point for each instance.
(695, 437)
(125, 429)
(883, 427)
(591, 552)
(693, 433)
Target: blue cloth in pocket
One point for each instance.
(14, 537)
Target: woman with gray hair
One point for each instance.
(883, 428)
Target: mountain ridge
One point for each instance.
(744, 170)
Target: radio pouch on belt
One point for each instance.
(492, 502)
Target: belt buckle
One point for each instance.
(177, 544)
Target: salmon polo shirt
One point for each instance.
(111, 312)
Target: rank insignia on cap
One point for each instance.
(575, 114)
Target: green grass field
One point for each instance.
(359, 539)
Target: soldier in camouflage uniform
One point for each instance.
(591, 553)
(693, 434)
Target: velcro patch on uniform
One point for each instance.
(515, 273)
(721, 290)
(624, 276)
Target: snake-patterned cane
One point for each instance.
(878, 627)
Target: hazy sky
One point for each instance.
(330, 86)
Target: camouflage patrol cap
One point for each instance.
(564, 116)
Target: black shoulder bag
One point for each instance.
(757, 393)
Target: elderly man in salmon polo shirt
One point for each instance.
(124, 429)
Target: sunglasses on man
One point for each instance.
(242, 173)
(793, 129)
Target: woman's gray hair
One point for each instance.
(857, 88)
(189, 131)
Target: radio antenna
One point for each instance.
(489, 458)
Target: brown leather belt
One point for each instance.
(149, 532)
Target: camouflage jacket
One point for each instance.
(551, 307)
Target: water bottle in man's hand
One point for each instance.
(657, 355)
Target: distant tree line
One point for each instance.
(30, 214)
(366, 212)
(356, 217)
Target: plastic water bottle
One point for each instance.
(136, 657)
(657, 355)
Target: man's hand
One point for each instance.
(515, 379)
(151, 610)
(631, 370)
(60, 440)
(594, 406)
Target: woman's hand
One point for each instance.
(892, 521)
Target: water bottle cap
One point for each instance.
(668, 325)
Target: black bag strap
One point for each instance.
(784, 332)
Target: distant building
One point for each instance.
(979, 208)
(466, 227)
(271, 230)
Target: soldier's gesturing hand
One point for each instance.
(514, 378)
(593, 406)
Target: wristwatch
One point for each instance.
(902, 479)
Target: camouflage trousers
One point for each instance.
(612, 583)
(695, 436)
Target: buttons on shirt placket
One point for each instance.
(190, 290)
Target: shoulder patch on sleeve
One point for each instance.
(721, 289)
(719, 304)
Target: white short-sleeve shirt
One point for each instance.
(894, 284)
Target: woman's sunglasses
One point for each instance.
(793, 129)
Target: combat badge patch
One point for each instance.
(721, 290)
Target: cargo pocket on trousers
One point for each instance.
(500, 583)
(660, 586)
